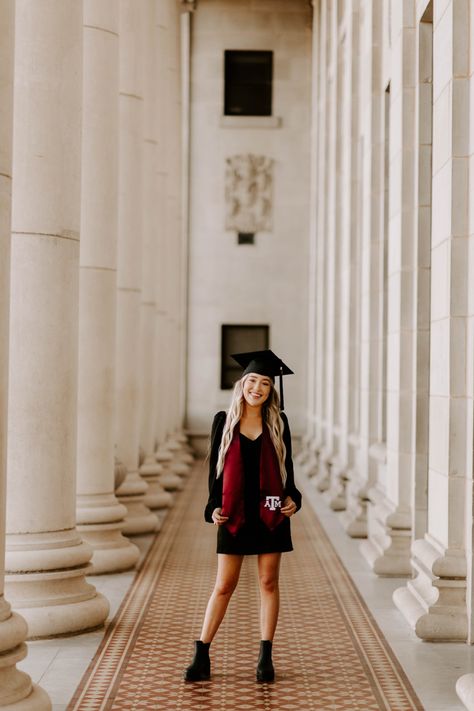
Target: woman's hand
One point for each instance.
(289, 507)
(218, 518)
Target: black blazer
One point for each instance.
(215, 485)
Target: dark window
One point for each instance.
(239, 339)
(248, 83)
(246, 238)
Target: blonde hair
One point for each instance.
(270, 416)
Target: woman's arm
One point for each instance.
(215, 485)
(290, 488)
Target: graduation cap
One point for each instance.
(264, 363)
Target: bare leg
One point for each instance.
(228, 571)
(268, 571)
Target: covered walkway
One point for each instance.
(330, 653)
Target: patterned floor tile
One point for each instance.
(329, 653)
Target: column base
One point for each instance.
(354, 518)
(387, 549)
(309, 467)
(112, 552)
(53, 620)
(138, 519)
(465, 690)
(168, 479)
(16, 688)
(46, 583)
(171, 481)
(179, 467)
(322, 479)
(434, 603)
(100, 519)
(302, 457)
(156, 497)
(335, 495)
(37, 700)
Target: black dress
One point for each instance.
(254, 536)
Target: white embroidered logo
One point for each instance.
(272, 502)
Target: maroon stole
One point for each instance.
(271, 485)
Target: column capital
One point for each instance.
(188, 5)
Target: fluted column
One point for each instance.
(170, 293)
(354, 517)
(336, 494)
(369, 191)
(434, 602)
(329, 256)
(139, 518)
(46, 559)
(306, 458)
(153, 232)
(388, 546)
(100, 517)
(16, 689)
(314, 465)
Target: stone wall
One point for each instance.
(264, 283)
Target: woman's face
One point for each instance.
(256, 389)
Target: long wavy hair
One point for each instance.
(270, 416)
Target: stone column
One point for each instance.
(153, 232)
(319, 27)
(46, 559)
(170, 296)
(100, 517)
(306, 458)
(139, 518)
(369, 192)
(329, 281)
(16, 689)
(353, 518)
(336, 494)
(388, 546)
(434, 602)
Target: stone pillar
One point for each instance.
(16, 689)
(388, 544)
(336, 495)
(170, 297)
(323, 479)
(434, 602)
(100, 517)
(306, 458)
(46, 559)
(139, 518)
(313, 467)
(174, 281)
(354, 518)
(153, 232)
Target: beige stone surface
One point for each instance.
(46, 559)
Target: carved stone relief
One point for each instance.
(248, 193)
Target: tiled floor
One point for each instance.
(328, 652)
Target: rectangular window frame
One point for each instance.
(261, 86)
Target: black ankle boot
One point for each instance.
(265, 670)
(200, 667)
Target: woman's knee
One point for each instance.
(225, 587)
(269, 583)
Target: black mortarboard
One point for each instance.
(264, 363)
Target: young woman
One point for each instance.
(252, 496)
